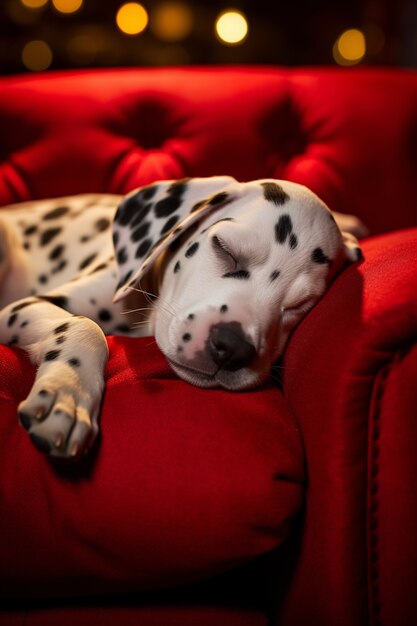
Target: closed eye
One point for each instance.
(224, 252)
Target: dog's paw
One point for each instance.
(61, 413)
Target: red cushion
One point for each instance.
(350, 378)
(349, 135)
(185, 483)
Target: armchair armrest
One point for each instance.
(351, 380)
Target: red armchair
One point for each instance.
(286, 506)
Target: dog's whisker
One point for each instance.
(139, 310)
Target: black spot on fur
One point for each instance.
(122, 256)
(219, 198)
(85, 238)
(167, 206)
(43, 279)
(23, 324)
(61, 301)
(140, 215)
(102, 224)
(61, 265)
(74, 362)
(56, 252)
(52, 355)
(186, 337)
(55, 213)
(318, 256)
(176, 244)
(12, 319)
(140, 232)
(283, 228)
(177, 267)
(99, 268)
(60, 339)
(143, 248)
(115, 239)
(26, 246)
(87, 261)
(30, 230)
(274, 193)
(169, 224)
(293, 241)
(127, 209)
(13, 341)
(23, 305)
(223, 308)
(192, 250)
(148, 192)
(48, 235)
(198, 206)
(178, 187)
(62, 328)
(240, 274)
(274, 275)
(190, 316)
(104, 315)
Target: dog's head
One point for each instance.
(240, 264)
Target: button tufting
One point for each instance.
(150, 121)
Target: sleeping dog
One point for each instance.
(220, 272)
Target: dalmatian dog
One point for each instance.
(219, 271)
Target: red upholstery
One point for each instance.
(165, 477)
(188, 483)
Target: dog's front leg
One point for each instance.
(61, 410)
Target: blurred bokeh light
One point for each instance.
(231, 27)
(350, 47)
(132, 18)
(37, 55)
(112, 33)
(34, 4)
(67, 6)
(172, 21)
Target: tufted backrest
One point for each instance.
(350, 135)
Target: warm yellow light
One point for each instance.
(172, 21)
(37, 55)
(231, 27)
(350, 47)
(33, 4)
(132, 18)
(67, 6)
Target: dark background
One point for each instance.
(292, 32)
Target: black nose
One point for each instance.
(229, 347)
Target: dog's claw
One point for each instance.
(59, 440)
(75, 449)
(40, 413)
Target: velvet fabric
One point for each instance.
(308, 490)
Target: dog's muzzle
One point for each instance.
(229, 348)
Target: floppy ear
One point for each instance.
(150, 218)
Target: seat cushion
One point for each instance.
(184, 483)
